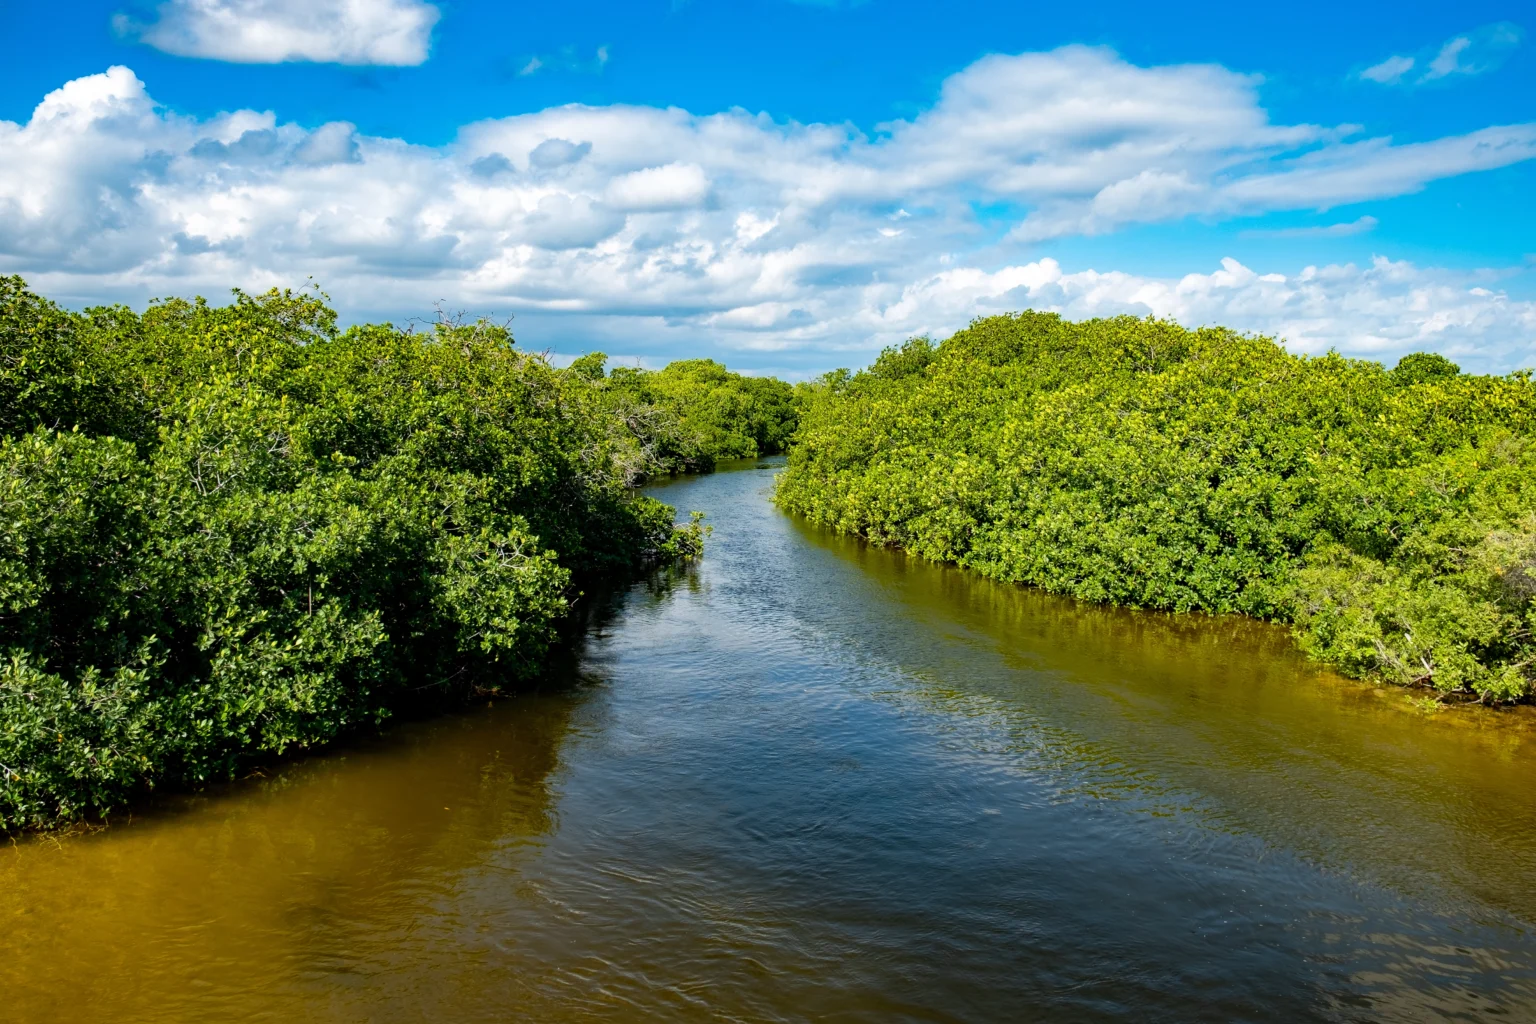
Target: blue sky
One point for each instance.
(789, 186)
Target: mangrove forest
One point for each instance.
(231, 531)
(1388, 515)
(228, 532)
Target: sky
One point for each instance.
(789, 186)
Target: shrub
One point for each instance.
(228, 532)
(694, 412)
(1386, 515)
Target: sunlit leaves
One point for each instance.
(1136, 462)
(229, 532)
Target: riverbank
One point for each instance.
(230, 533)
(1385, 515)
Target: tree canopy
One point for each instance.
(1390, 516)
(694, 412)
(229, 531)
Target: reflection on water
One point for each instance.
(329, 875)
(1222, 711)
(814, 780)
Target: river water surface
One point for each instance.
(809, 780)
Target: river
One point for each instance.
(810, 780)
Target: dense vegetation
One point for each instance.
(1389, 516)
(694, 412)
(230, 531)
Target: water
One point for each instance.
(808, 780)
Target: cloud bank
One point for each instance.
(1379, 312)
(387, 32)
(741, 231)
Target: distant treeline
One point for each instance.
(694, 412)
(1389, 516)
(230, 531)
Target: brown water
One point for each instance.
(814, 781)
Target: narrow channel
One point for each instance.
(811, 780)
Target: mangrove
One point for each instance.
(227, 532)
(1386, 515)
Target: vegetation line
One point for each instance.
(1388, 516)
(228, 532)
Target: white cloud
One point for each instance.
(1449, 60)
(570, 222)
(1389, 71)
(1375, 168)
(1358, 226)
(672, 187)
(557, 152)
(731, 228)
(332, 143)
(1473, 53)
(565, 60)
(1382, 311)
(393, 32)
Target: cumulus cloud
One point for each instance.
(1473, 53)
(570, 222)
(733, 227)
(390, 32)
(672, 187)
(557, 153)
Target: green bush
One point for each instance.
(1387, 515)
(694, 412)
(228, 532)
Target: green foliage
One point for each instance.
(694, 412)
(1388, 516)
(231, 531)
(1423, 367)
(914, 356)
(48, 374)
